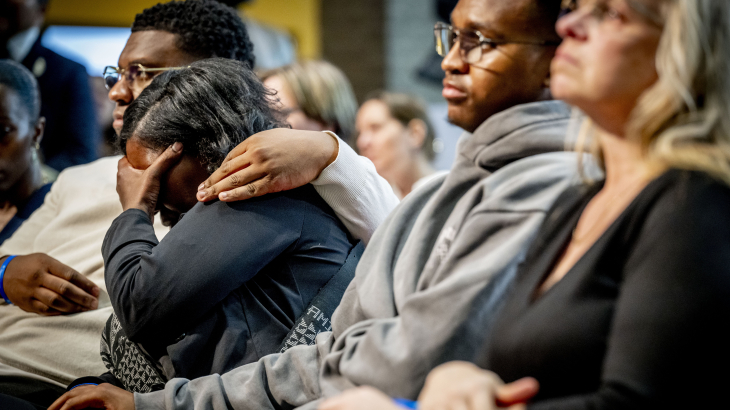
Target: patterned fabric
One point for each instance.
(127, 361)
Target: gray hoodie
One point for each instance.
(430, 281)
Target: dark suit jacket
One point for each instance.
(72, 133)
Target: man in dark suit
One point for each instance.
(72, 133)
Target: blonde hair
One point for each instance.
(323, 93)
(683, 120)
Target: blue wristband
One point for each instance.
(406, 404)
(2, 276)
(82, 384)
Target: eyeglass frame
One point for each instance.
(124, 72)
(483, 40)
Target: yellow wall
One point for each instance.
(301, 18)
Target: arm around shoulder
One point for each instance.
(360, 197)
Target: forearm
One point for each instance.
(360, 197)
(276, 381)
(130, 237)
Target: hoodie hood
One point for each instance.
(516, 133)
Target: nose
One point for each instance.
(572, 25)
(363, 141)
(121, 93)
(453, 62)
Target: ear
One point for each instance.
(40, 127)
(416, 133)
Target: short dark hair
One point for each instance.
(210, 107)
(205, 28)
(16, 77)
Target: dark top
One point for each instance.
(637, 321)
(24, 211)
(224, 286)
(72, 134)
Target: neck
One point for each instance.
(27, 184)
(623, 159)
(410, 173)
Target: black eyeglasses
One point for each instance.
(137, 75)
(471, 42)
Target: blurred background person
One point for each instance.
(22, 186)
(394, 132)
(272, 47)
(72, 134)
(316, 96)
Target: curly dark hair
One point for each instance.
(205, 28)
(210, 107)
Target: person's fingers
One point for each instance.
(71, 292)
(235, 180)
(165, 161)
(234, 166)
(253, 189)
(518, 391)
(59, 401)
(56, 301)
(70, 274)
(83, 401)
(43, 309)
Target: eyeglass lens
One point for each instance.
(469, 47)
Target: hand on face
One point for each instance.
(462, 385)
(140, 189)
(40, 284)
(270, 161)
(361, 398)
(103, 396)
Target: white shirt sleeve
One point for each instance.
(360, 197)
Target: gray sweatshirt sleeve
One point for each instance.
(393, 354)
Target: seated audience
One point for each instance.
(436, 271)
(625, 293)
(393, 131)
(226, 284)
(58, 247)
(72, 135)
(22, 188)
(314, 95)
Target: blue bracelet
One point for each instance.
(2, 276)
(82, 384)
(406, 404)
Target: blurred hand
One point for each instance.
(38, 283)
(464, 386)
(270, 161)
(103, 396)
(361, 398)
(140, 189)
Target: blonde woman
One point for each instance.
(622, 299)
(394, 132)
(315, 96)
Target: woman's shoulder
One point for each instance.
(689, 192)
(684, 206)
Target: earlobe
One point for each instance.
(417, 132)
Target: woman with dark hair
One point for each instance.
(204, 301)
(22, 187)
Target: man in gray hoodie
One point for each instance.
(435, 272)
